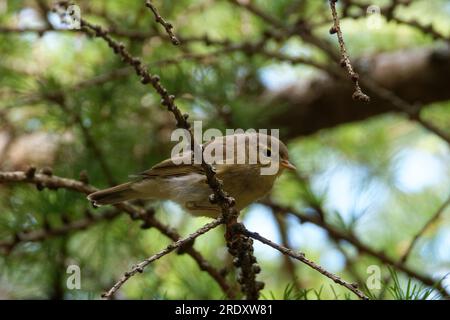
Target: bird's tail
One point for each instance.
(120, 193)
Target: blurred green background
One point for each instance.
(380, 179)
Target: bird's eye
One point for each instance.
(268, 153)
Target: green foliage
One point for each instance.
(412, 291)
(379, 179)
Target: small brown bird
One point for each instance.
(186, 183)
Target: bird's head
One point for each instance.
(271, 149)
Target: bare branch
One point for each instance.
(167, 25)
(54, 182)
(45, 181)
(345, 60)
(301, 257)
(139, 268)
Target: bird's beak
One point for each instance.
(286, 164)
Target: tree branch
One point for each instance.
(220, 197)
(389, 98)
(345, 60)
(301, 257)
(167, 25)
(53, 182)
(139, 268)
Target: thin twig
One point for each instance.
(139, 268)
(167, 25)
(345, 60)
(301, 257)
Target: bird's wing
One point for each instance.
(170, 168)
